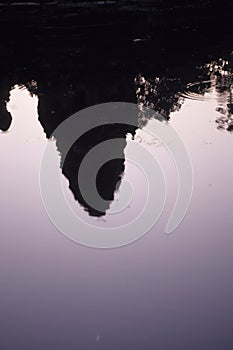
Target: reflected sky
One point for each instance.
(161, 292)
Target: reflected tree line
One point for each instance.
(166, 95)
(66, 92)
(71, 70)
(223, 82)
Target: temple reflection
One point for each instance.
(65, 89)
(56, 102)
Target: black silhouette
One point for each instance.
(73, 57)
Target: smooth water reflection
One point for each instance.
(166, 291)
(210, 99)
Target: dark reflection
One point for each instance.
(73, 59)
(166, 94)
(223, 72)
(62, 93)
(109, 175)
(160, 94)
(60, 97)
(5, 117)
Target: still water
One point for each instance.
(161, 292)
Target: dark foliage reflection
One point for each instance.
(73, 62)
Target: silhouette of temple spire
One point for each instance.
(59, 99)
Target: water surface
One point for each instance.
(163, 291)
